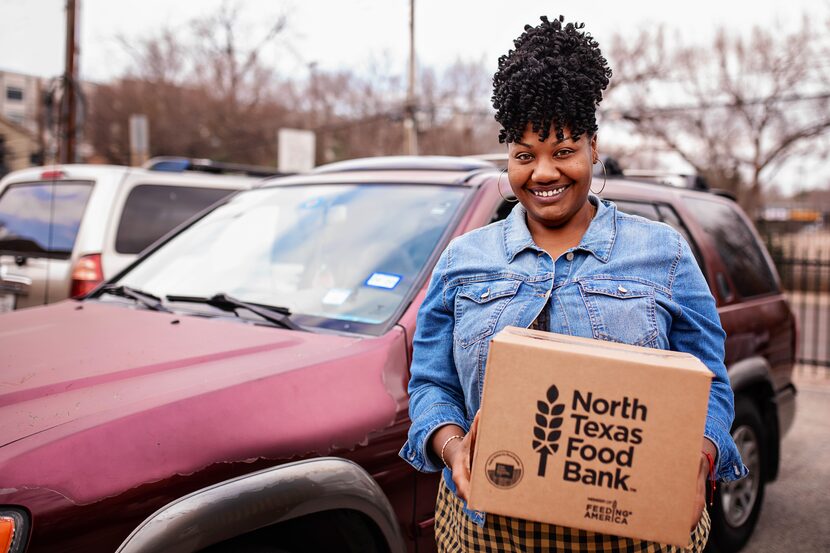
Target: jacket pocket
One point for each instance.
(621, 311)
(478, 306)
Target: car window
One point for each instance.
(643, 209)
(740, 251)
(153, 210)
(41, 219)
(665, 214)
(338, 256)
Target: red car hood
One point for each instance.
(92, 393)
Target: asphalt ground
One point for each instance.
(796, 512)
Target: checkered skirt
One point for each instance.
(456, 533)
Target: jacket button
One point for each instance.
(569, 256)
(737, 470)
(621, 290)
(485, 294)
(412, 455)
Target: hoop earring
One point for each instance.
(604, 177)
(498, 187)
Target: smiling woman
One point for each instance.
(563, 261)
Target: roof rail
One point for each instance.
(175, 164)
(724, 194)
(669, 178)
(406, 163)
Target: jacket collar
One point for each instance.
(598, 240)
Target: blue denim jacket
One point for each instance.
(629, 280)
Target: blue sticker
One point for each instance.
(311, 203)
(387, 281)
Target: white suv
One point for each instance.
(65, 228)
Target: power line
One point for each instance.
(720, 105)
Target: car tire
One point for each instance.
(737, 505)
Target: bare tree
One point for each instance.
(736, 110)
(637, 61)
(205, 91)
(455, 109)
(361, 114)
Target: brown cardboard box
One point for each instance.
(590, 434)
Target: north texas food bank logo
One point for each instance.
(610, 445)
(546, 432)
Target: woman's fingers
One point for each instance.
(459, 456)
(700, 496)
(461, 476)
(472, 434)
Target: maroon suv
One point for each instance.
(248, 374)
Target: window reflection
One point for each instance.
(350, 253)
(740, 252)
(42, 217)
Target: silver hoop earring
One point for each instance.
(604, 177)
(498, 187)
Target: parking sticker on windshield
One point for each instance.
(336, 296)
(387, 281)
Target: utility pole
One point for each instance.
(68, 113)
(410, 136)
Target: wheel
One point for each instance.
(738, 504)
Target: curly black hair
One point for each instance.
(554, 77)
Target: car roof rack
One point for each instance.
(174, 164)
(406, 163)
(669, 178)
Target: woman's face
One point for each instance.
(551, 178)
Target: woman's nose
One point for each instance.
(546, 170)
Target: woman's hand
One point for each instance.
(458, 454)
(702, 480)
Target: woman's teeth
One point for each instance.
(549, 193)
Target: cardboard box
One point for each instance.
(590, 434)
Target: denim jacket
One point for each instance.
(629, 280)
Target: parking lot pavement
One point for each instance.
(797, 505)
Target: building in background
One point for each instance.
(19, 95)
(19, 112)
(19, 147)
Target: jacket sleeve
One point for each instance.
(696, 329)
(435, 394)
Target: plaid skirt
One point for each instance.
(456, 533)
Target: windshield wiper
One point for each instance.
(146, 299)
(275, 314)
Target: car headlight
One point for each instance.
(14, 530)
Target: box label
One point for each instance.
(596, 453)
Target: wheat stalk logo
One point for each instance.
(546, 432)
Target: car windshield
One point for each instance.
(344, 257)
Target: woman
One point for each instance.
(540, 268)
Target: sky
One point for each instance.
(351, 33)
(337, 33)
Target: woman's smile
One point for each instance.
(549, 193)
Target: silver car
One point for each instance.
(65, 228)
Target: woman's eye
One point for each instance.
(523, 156)
(563, 153)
